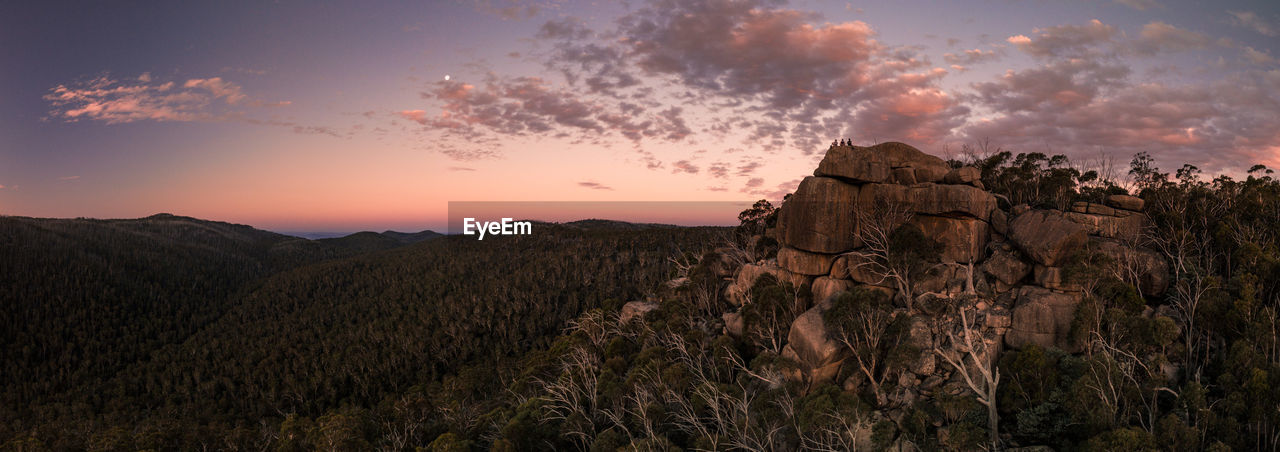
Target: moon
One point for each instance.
(446, 77)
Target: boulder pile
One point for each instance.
(1006, 267)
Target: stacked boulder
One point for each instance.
(1007, 268)
(818, 231)
(1107, 235)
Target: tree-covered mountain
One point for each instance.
(81, 299)
(182, 328)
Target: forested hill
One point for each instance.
(80, 299)
(199, 328)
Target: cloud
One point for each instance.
(218, 87)
(511, 9)
(594, 185)
(1158, 36)
(786, 80)
(909, 107)
(599, 66)
(500, 107)
(718, 170)
(1251, 20)
(513, 106)
(805, 80)
(316, 130)
(745, 50)
(673, 70)
(1140, 5)
(460, 168)
(1090, 106)
(971, 57)
(1052, 86)
(754, 187)
(1258, 57)
(684, 166)
(1065, 40)
(144, 99)
(418, 116)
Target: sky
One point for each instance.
(345, 116)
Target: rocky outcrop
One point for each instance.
(1046, 236)
(1007, 266)
(1055, 278)
(734, 324)
(963, 175)
(1126, 202)
(931, 199)
(878, 163)
(804, 262)
(826, 287)
(962, 239)
(819, 216)
(1121, 225)
(636, 310)
(736, 293)
(1012, 271)
(810, 345)
(860, 269)
(1042, 317)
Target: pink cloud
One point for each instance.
(684, 166)
(143, 99)
(594, 185)
(1252, 21)
(971, 57)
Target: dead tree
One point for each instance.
(863, 333)
(875, 227)
(1117, 371)
(985, 389)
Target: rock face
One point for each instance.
(804, 262)
(1042, 317)
(636, 309)
(1096, 209)
(811, 345)
(1005, 268)
(748, 274)
(931, 199)
(962, 239)
(826, 287)
(858, 268)
(963, 175)
(1046, 236)
(1126, 202)
(819, 216)
(1055, 278)
(877, 163)
(1122, 225)
(734, 324)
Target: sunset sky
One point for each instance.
(343, 116)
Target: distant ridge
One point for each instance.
(403, 238)
(597, 224)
